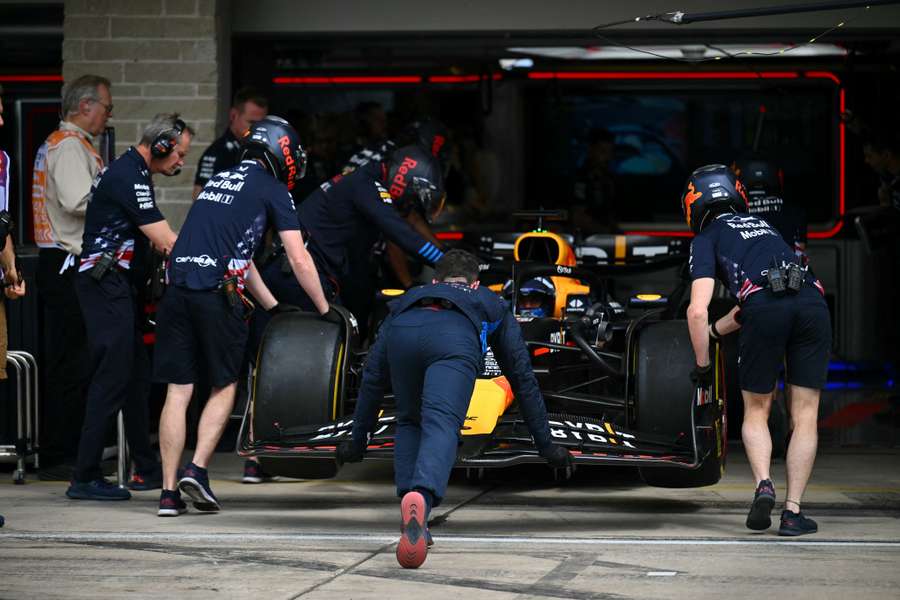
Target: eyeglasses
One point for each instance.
(108, 107)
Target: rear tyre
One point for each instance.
(297, 384)
(664, 394)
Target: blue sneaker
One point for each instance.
(793, 524)
(99, 489)
(171, 504)
(195, 483)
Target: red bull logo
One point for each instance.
(398, 183)
(284, 143)
(437, 144)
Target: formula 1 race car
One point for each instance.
(614, 375)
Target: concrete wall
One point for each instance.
(161, 56)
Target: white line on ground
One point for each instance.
(662, 573)
(450, 539)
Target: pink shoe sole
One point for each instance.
(413, 546)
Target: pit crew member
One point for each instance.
(346, 216)
(203, 315)
(783, 318)
(430, 349)
(121, 219)
(247, 107)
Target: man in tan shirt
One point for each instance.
(64, 168)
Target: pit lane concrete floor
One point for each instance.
(517, 535)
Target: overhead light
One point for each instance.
(508, 64)
(680, 52)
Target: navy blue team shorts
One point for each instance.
(198, 330)
(793, 331)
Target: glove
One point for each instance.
(281, 307)
(333, 316)
(350, 452)
(703, 376)
(556, 456)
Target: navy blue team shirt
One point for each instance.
(347, 215)
(493, 322)
(739, 249)
(122, 200)
(222, 154)
(226, 224)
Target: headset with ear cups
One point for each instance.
(166, 141)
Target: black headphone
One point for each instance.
(165, 142)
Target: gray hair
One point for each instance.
(160, 124)
(86, 87)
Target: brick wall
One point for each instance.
(161, 56)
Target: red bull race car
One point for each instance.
(613, 373)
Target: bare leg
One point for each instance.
(755, 432)
(212, 422)
(172, 428)
(801, 453)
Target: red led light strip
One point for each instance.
(348, 79)
(462, 78)
(29, 78)
(449, 235)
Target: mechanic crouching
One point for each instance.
(121, 217)
(430, 349)
(203, 315)
(782, 316)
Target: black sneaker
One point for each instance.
(171, 504)
(760, 517)
(195, 483)
(793, 524)
(253, 473)
(99, 489)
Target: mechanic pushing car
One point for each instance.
(203, 315)
(345, 217)
(431, 348)
(358, 286)
(121, 221)
(782, 316)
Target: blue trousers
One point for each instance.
(120, 373)
(434, 357)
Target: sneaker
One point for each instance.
(142, 482)
(99, 489)
(759, 517)
(195, 483)
(428, 538)
(413, 546)
(793, 524)
(253, 473)
(171, 504)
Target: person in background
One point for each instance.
(65, 166)
(10, 278)
(594, 193)
(247, 107)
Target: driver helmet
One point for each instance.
(414, 180)
(536, 299)
(274, 141)
(709, 190)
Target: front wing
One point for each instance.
(591, 441)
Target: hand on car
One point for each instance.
(556, 456)
(350, 452)
(333, 316)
